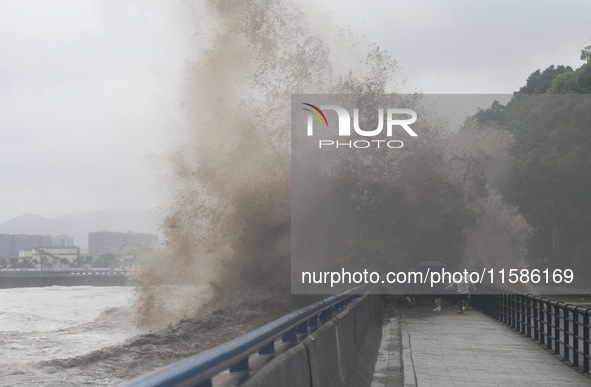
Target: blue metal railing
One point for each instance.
(234, 355)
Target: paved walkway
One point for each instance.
(447, 349)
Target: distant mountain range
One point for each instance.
(78, 226)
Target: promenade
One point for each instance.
(470, 350)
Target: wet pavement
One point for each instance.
(470, 350)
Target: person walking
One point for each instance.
(462, 294)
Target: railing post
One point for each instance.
(522, 300)
(586, 343)
(514, 312)
(241, 366)
(290, 336)
(548, 325)
(566, 333)
(557, 330)
(268, 349)
(536, 320)
(302, 328)
(541, 321)
(576, 338)
(518, 312)
(510, 309)
(313, 322)
(496, 299)
(506, 309)
(324, 316)
(529, 315)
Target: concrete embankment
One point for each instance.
(26, 279)
(341, 353)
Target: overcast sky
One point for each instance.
(89, 89)
(467, 46)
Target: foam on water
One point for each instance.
(45, 323)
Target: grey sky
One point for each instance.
(89, 90)
(467, 46)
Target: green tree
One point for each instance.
(491, 117)
(586, 54)
(578, 81)
(550, 178)
(539, 82)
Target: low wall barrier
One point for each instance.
(333, 342)
(562, 328)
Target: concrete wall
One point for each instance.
(341, 353)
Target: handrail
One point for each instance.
(546, 320)
(571, 307)
(198, 370)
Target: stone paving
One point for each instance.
(446, 349)
(471, 350)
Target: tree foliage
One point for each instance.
(550, 174)
(578, 81)
(586, 54)
(539, 82)
(550, 178)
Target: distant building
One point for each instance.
(54, 256)
(104, 242)
(11, 244)
(130, 263)
(61, 241)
